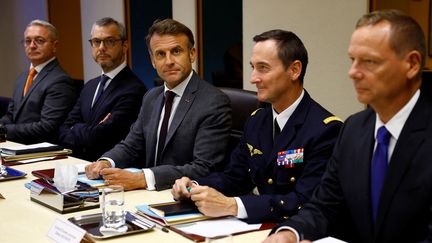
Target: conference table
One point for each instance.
(22, 220)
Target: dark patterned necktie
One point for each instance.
(102, 82)
(169, 97)
(276, 131)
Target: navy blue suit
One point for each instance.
(90, 132)
(253, 163)
(343, 198)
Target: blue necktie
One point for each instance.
(379, 167)
(102, 82)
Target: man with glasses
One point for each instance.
(109, 103)
(44, 94)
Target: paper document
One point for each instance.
(217, 227)
(329, 240)
(25, 161)
(81, 168)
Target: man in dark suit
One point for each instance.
(378, 190)
(284, 148)
(183, 126)
(43, 95)
(108, 104)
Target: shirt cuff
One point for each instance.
(241, 210)
(150, 179)
(109, 160)
(290, 229)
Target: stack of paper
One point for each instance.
(32, 152)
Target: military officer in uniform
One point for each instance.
(284, 148)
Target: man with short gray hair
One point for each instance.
(44, 94)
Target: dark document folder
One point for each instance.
(174, 208)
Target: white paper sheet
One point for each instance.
(217, 227)
(329, 240)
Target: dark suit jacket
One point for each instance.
(90, 132)
(37, 116)
(196, 141)
(253, 163)
(404, 212)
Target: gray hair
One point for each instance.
(47, 25)
(109, 21)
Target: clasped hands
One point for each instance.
(115, 176)
(209, 201)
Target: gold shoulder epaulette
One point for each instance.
(255, 111)
(331, 118)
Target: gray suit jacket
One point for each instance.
(196, 142)
(37, 116)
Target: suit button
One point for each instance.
(292, 179)
(285, 217)
(282, 202)
(249, 170)
(270, 181)
(271, 209)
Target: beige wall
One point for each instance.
(418, 9)
(13, 21)
(92, 10)
(325, 28)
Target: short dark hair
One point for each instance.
(406, 34)
(169, 27)
(289, 47)
(109, 21)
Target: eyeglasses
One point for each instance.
(110, 42)
(38, 41)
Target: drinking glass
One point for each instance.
(113, 213)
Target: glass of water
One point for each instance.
(113, 213)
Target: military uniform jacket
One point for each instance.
(282, 190)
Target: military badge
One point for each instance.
(253, 151)
(289, 158)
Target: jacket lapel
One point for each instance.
(289, 131)
(361, 166)
(410, 139)
(183, 107)
(115, 82)
(44, 72)
(153, 128)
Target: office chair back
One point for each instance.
(4, 103)
(243, 103)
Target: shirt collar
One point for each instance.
(283, 117)
(180, 88)
(39, 67)
(111, 74)
(396, 123)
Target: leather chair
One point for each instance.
(243, 103)
(4, 103)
